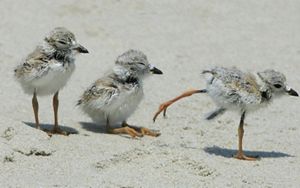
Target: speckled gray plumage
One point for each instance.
(232, 88)
(116, 95)
(55, 55)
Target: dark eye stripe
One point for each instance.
(277, 86)
(62, 42)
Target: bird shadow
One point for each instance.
(92, 127)
(229, 153)
(48, 127)
(96, 128)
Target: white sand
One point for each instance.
(181, 39)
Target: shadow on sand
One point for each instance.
(228, 153)
(69, 130)
(92, 127)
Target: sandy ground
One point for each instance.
(181, 39)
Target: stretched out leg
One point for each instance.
(240, 154)
(122, 130)
(142, 130)
(35, 106)
(56, 129)
(163, 107)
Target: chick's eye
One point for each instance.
(62, 42)
(142, 64)
(277, 86)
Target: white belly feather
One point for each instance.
(49, 82)
(118, 110)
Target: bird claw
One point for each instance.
(140, 131)
(241, 156)
(146, 131)
(162, 108)
(57, 131)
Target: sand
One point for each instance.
(181, 38)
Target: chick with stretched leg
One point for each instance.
(233, 89)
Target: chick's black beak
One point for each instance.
(81, 49)
(155, 70)
(292, 93)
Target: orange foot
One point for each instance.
(142, 130)
(146, 131)
(241, 156)
(163, 107)
(125, 130)
(56, 130)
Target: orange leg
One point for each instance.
(142, 130)
(35, 106)
(163, 107)
(240, 154)
(55, 103)
(56, 129)
(123, 130)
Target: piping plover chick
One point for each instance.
(232, 89)
(111, 99)
(48, 68)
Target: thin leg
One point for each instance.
(216, 113)
(142, 130)
(35, 106)
(56, 129)
(55, 103)
(165, 105)
(122, 130)
(240, 154)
